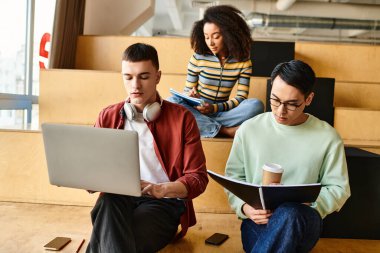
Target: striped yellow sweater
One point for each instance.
(215, 82)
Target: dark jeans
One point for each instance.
(133, 224)
(291, 228)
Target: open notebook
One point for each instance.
(268, 196)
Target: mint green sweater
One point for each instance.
(309, 153)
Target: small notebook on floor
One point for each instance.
(57, 243)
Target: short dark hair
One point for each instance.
(235, 31)
(297, 74)
(141, 52)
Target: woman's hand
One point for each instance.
(193, 93)
(256, 215)
(206, 108)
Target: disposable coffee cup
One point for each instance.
(272, 173)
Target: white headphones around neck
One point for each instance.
(150, 112)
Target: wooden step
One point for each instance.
(104, 52)
(214, 198)
(77, 96)
(357, 82)
(344, 62)
(355, 124)
(357, 95)
(25, 178)
(24, 175)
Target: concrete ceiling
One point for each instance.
(356, 21)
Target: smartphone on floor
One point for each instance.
(216, 239)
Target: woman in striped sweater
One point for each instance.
(222, 43)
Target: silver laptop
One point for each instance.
(97, 159)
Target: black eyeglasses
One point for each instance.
(290, 107)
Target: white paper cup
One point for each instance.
(272, 173)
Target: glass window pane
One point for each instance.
(12, 46)
(15, 119)
(43, 27)
(35, 118)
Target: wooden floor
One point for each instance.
(27, 227)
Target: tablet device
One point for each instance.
(190, 100)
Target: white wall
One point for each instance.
(116, 17)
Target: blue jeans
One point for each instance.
(209, 125)
(292, 227)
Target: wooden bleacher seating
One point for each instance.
(77, 96)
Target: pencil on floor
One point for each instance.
(80, 246)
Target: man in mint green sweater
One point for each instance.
(308, 149)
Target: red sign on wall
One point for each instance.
(44, 54)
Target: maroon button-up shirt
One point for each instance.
(177, 145)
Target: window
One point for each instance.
(25, 27)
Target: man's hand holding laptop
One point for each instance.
(164, 190)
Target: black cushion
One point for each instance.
(266, 55)
(360, 216)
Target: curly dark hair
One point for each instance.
(235, 31)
